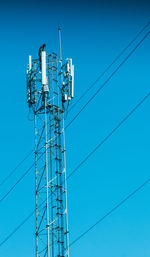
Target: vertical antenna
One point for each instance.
(60, 53)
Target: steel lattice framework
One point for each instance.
(49, 91)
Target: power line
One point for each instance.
(19, 180)
(18, 165)
(110, 134)
(109, 66)
(81, 163)
(17, 228)
(111, 211)
(108, 79)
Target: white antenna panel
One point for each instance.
(44, 78)
(72, 86)
(30, 62)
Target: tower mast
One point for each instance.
(49, 92)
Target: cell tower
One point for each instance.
(50, 88)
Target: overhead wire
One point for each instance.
(101, 75)
(17, 228)
(117, 206)
(110, 134)
(81, 163)
(108, 79)
(19, 180)
(109, 66)
(18, 165)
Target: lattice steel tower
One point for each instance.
(50, 88)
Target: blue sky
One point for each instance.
(93, 33)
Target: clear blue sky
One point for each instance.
(93, 33)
